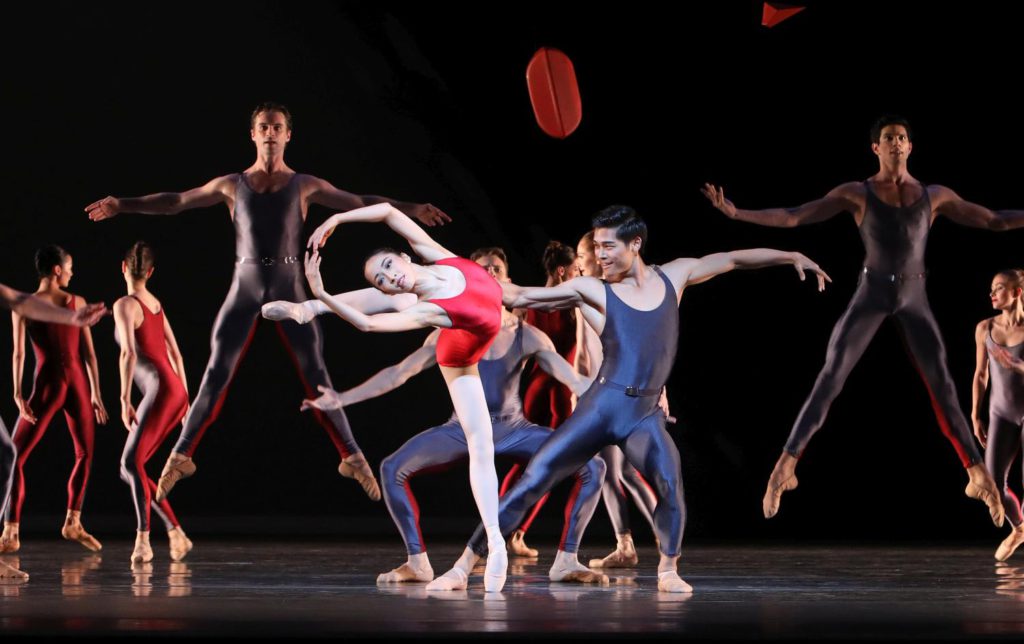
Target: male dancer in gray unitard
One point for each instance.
(268, 203)
(894, 213)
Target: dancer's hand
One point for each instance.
(24, 411)
(319, 237)
(663, 405)
(89, 314)
(716, 195)
(128, 415)
(1006, 359)
(105, 208)
(100, 411)
(802, 263)
(328, 399)
(980, 431)
(316, 282)
(430, 215)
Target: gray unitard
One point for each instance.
(621, 408)
(268, 246)
(1005, 423)
(514, 436)
(892, 285)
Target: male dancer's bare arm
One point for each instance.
(951, 205)
(419, 316)
(980, 383)
(842, 198)
(219, 190)
(536, 343)
(92, 369)
(124, 322)
(684, 272)
(574, 292)
(380, 383)
(324, 193)
(422, 243)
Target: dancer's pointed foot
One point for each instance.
(406, 573)
(143, 552)
(517, 546)
(568, 569)
(356, 467)
(10, 541)
(180, 545)
(982, 487)
(283, 310)
(670, 582)
(8, 571)
(1010, 543)
(783, 479)
(177, 467)
(454, 579)
(497, 567)
(73, 531)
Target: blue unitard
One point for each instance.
(620, 408)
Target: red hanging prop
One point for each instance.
(554, 94)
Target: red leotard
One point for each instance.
(60, 383)
(475, 315)
(163, 406)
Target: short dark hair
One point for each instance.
(486, 251)
(47, 257)
(627, 224)
(889, 119)
(139, 259)
(270, 107)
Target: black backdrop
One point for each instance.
(428, 103)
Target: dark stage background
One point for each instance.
(427, 102)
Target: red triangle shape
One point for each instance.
(775, 13)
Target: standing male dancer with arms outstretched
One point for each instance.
(268, 203)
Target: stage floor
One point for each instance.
(322, 589)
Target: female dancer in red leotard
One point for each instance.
(458, 296)
(60, 383)
(150, 357)
(32, 308)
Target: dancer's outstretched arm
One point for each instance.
(380, 383)
(367, 300)
(418, 316)
(422, 243)
(324, 193)
(947, 203)
(34, 308)
(686, 271)
(843, 198)
(219, 190)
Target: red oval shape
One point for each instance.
(554, 94)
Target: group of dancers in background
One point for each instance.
(602, 334)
